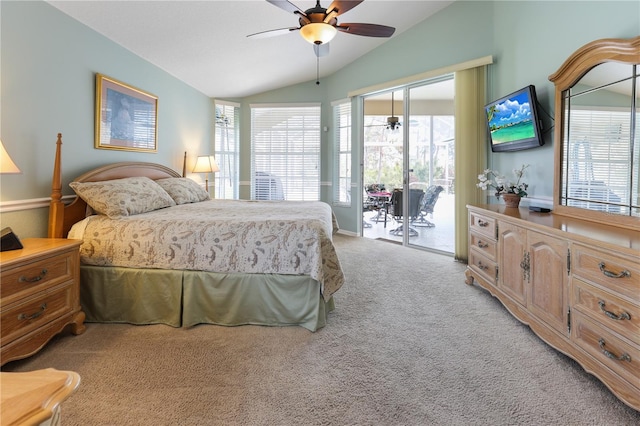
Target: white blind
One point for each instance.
(227, 145)
(342, 150)
(285, 152)
(598, 161)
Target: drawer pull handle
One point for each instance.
(482, 223)
(622, 316)
(483, 267)
(482, 245)
(610, 274)
(623, 357)
(24, 279)
(34, 315)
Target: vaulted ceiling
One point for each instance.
(205, 44)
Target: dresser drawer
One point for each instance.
(616, 273)
(25, 316)
(486, 245)
(617, 354)
(483, 225)
(483, 265)
(37, 275)
(611, 311)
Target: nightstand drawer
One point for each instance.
(21, 318)
(37, 275)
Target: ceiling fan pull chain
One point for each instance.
(317, 70)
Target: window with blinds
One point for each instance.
(227, 150)
(342, 150)
(599, 164)
(285, 152)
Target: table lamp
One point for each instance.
(206, 164)
(6, 163)
(8, 240)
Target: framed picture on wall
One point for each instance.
(126, 117)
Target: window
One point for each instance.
(227, 150)
(342, 149)
(285, 152)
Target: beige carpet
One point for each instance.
(409, 344)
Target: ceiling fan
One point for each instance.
(393, 122)
(319, 25)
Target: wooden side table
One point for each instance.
(39, 295)
(33, 397)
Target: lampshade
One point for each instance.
(206, 164)
(318, 32)
(6, 163)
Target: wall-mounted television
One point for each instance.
(513, 122)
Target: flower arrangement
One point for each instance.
(493, 179)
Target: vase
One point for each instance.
(511, 200)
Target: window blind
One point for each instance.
(227, 147)
(342, 150)
(285, 152)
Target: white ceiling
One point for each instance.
(205, 44)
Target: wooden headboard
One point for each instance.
(62, 217)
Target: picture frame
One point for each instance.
(126, 117)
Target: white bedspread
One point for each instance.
(262, 237)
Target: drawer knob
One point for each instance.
(34, 315)
(35, 279)
(482, 223)
(482, 244)
(610, 274)
(623, 357)
(482, 267)
(622, 316)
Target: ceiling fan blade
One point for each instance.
(273, 33)
(369, 30)
(287, 5)
(321, 49)
(342, 6)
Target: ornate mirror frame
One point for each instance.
(624, 51)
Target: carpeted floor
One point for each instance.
(408, 344)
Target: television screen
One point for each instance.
(513, 121)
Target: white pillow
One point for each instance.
(123, 197)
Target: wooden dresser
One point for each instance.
(575, 283)
(39, 295)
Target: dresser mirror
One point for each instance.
(597, 152)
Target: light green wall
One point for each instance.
(528, 40)
(49, 61)
(48, 68)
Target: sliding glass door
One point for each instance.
(409, 150)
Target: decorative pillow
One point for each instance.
(123, 197)
(183, 190)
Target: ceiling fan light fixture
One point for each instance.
(318, 32)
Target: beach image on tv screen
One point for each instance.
(511, 120)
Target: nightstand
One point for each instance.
(39, 295)
(34, 397)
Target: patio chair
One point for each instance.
(415, 202)
(428, 204)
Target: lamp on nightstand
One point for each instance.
(8, 240)
(206, 164)
(6, 163)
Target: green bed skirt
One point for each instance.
(188, 298)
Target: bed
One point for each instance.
(157, 250)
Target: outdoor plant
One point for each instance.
(492, 179)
